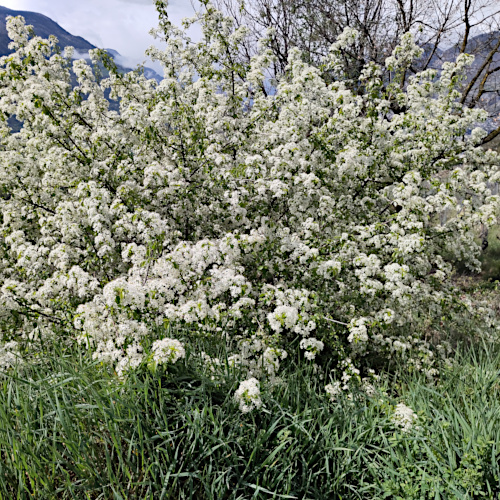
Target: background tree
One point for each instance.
(444, 29)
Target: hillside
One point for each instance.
(44, 26)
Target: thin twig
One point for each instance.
(336, 321)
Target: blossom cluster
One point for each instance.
(211, 203)
(9, 355)
(167, 351)
(248, 395)
(404, 417)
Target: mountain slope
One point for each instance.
(44, 26)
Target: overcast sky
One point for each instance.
(122, 25)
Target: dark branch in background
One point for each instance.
(492, 135)
(313, 25)
(487, 61)
(467, 26)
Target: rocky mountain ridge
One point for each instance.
(44, 26)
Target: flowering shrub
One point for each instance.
(218, 205)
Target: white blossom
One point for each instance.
(9, 355)
(333, 390)
(283, 317)
(167, 351)
(248, 395)
(404, 417)
(311, 347)
(132, 359)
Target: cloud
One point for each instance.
(127, 62)
(81, 55)
(122, 25)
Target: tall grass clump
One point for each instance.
(70, 429)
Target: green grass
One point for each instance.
(68, 429)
